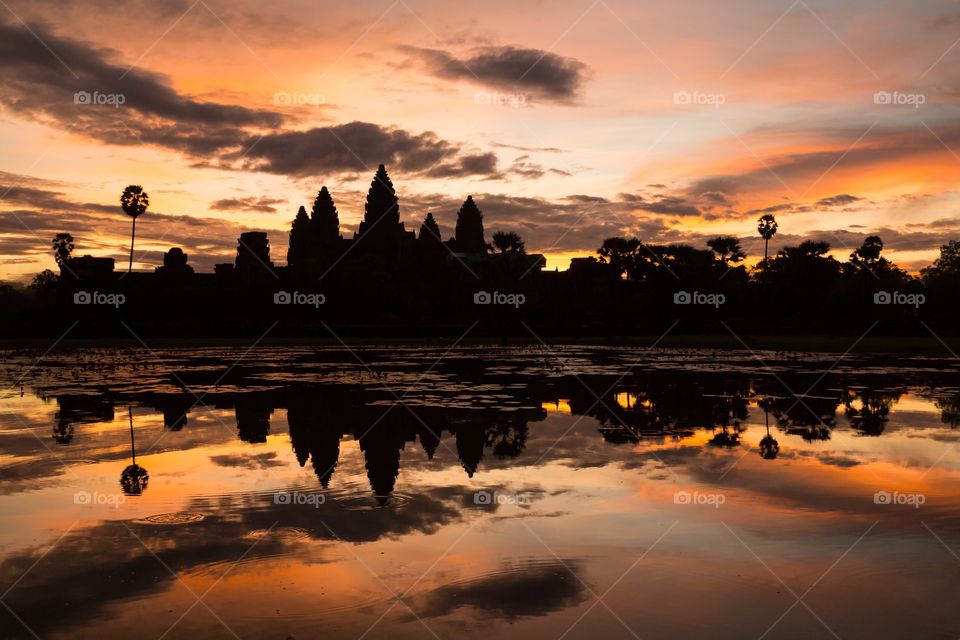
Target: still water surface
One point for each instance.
(478, 492)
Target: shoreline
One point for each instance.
(913, 345)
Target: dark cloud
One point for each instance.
(45, 84)
(840, 200)
(39, 86)
(541, 74)
(46, 200)
(252, 203)
(670, 205)
(356, 147)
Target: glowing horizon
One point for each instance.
(567, 126)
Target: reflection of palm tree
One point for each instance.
(134, 478)
(871, 417)
(769, 447)
(508, 440)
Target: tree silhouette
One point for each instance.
(44, 281)
(727, 249)
(619, 253)
(767, 228)
(134, 202)
(508, 242)
(62, 248)
(947, 265)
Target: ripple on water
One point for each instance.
(175, 518)
(371, 502)
(284, 534)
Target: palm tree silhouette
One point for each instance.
(508, 241)
(767, 228)
(134, 478)
(769, 447)
(134, 202)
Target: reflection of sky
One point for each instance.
(589, 509)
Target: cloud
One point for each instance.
(840, 200)
(541, 74)
(41, 83)
(39, 86)
(357, 147)
(252, 203)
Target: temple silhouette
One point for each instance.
(389, 280)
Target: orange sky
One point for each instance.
(569, 122)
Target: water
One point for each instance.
(569, 492)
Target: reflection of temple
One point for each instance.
(79, 410)
(318, 420)
(253, 418)
(660, 405)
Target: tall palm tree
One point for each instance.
(134, 202)
(767, 228)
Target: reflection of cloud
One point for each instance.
(92, 567)
(252, 461)
(526, 589)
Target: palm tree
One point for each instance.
(62, 248)
(134, 202)
(508, 241)
(727, 249)
(767, 228)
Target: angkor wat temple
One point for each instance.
(385, 275)
(317, 246)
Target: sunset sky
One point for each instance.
(569, 122)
